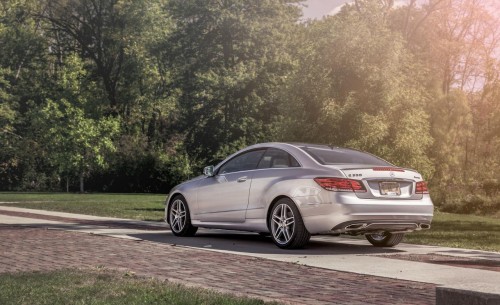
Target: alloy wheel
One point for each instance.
(385, 239)
(378, 236)
(177, 215)
(283, 223)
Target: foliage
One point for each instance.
(7, 135)
(22, 76)
(77, 142)
(457, 42)
(229, 58)
(362, 91)
(140, 95)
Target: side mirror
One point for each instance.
(209, 171)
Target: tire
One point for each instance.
(385, 239)
(286, 225)
(180, 218)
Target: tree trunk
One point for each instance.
(67, 184)
(81, 183)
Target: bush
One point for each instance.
(456, 205)
(472, 204)
(491, 187)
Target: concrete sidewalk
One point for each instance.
(83, 216)
(325, 252)
(106, 226)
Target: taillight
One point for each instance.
(421, 188)
(340, 184)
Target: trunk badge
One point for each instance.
(354, 175)
(392, 174)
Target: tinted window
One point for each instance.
(277, 158)
(343, 156)
(243, 162)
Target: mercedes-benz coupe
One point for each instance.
(293, 190)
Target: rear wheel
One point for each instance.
(385, 239)
(287, 227)
(179, 218)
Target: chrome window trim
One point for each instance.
(257, 169)
(217, 168)
(216, 171)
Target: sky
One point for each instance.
(318, 8)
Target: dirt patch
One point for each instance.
(448, 260)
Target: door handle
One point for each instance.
(242, 179)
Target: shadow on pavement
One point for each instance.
(255, 244)
(480, 254)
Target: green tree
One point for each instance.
(357, 85)
(456, 42)
(7, 132)
(76, 143)
(118, 43)
(114, 36)
(24, 82)
(7, 113)
(229, 58)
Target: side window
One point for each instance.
(243, 162)
(277, 158)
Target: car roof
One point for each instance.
(301, 145)
(298, 144)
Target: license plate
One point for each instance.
(390, 188)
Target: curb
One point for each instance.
(463, 295)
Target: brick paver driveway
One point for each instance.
(30, 249)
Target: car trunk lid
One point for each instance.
(383, 182)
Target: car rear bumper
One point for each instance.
(345, 213)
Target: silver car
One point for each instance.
(293, 190)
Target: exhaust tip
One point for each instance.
(356, 226)
(425, 226)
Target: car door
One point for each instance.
(276, 165)
(224, 197)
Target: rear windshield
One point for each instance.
(329, 156)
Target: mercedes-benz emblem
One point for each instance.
(392, 174)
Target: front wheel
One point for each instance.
(287, 227)
(180, 219)
(385, 239)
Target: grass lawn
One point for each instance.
(452, 230)
(103, 287)
(134, 206)
(460, 231)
